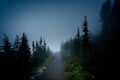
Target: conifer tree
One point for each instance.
(6, 44)
(85, 33)
(76, 44)
(115, 13)
(85, 38)
(105, 18)
(17, 43)
(33, 47)
(25, 55)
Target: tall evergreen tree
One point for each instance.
(37, 57)
(6, 44)
(44, 49)
(33, 46)
(105, 11)
(45, 43)
(78, 34)
(115, 20)
(40, 42)
(17, 43)
(25, 55)
(48, 51)
(85, 38)
(76, 44)
(105, 16)
(85, 33)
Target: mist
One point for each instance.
(56, 21)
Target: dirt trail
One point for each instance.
(55, 70)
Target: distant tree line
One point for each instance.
(17, 61)
(40, 52)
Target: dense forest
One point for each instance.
(89, 57)
(86, 57)
(17, 61)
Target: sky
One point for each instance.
(54, 20)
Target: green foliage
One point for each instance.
(48, 60)
(74, 71)
(76, 53)
(45, 63)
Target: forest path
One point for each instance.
(54, 71)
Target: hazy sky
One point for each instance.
(56, 20)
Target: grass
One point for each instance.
(44, 64)
(47, 61)
(74, 71)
